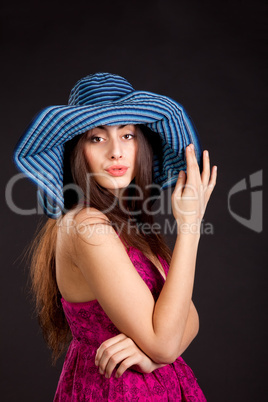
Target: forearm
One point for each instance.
(157, 327)
(109, 354)
(191, 330)
(173, 305)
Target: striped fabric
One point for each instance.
(102, 99)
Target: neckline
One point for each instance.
(154, 266)
(79, 303)
(63, 300)
(160, 259)
(157, 256)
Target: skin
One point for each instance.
(112, 145)
(166, 327)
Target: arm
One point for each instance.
(157, 328)
(122, 352)
(191, 328)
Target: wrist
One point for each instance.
(191, 229)
(155, 366)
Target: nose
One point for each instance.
(115, 151)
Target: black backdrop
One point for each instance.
(209, 56)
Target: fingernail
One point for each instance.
(189, 148)
(206, 153)
(181, 173)
(100, 371)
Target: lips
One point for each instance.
(117, 170)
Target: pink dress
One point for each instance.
(80, 380)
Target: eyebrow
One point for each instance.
(121, 126)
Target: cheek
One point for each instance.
(134, 158)
(135, 153)
(89, 156)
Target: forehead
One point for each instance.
(118, 127)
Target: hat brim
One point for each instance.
(39, 153)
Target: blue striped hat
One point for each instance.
(96, 100)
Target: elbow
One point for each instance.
(166, 354)
(170, 350)
(197, 324)
(194, 321)
(164, 358)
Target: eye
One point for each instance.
(95, 139)
(131, 135)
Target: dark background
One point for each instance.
(209, 56)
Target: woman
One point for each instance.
(99, 268)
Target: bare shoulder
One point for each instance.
(97, 252)
(83, 216)
(89, 215)
(89, 225)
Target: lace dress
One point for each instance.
(80, 380)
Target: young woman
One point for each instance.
(102, 274)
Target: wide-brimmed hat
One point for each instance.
(96, 100)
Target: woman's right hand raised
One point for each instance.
(193, 190)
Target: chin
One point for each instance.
(121, 184)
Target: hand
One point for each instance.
(192, 191)
(122, 351)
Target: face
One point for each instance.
(110, 152)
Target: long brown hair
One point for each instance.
(43, 270)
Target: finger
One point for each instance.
(212, 182)
(127, 363)
(106, 354)
(206, 169)
(109, 352)
(106, 344)
(116, 359)
(193, 172)
(180, 183)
